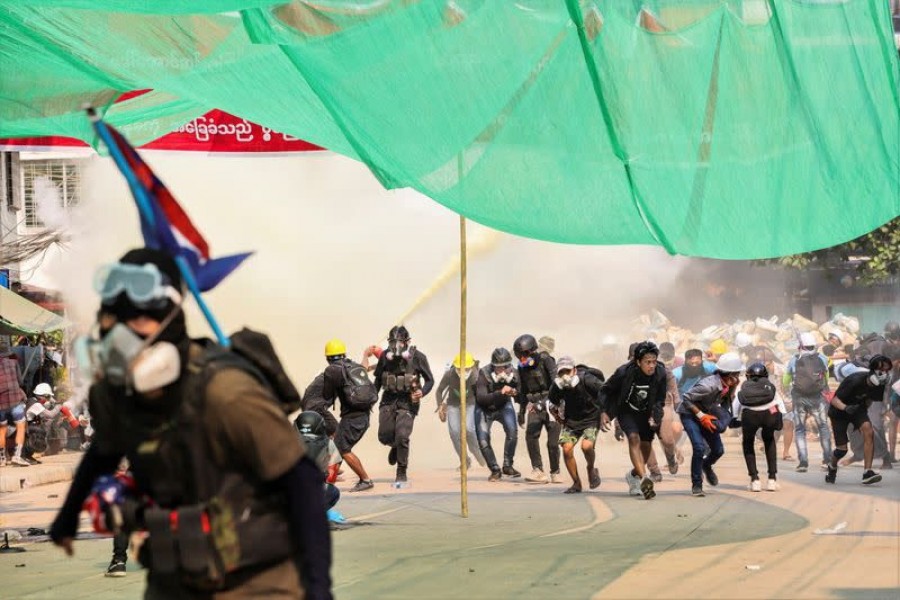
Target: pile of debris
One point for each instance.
(781, 338)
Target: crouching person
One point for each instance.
(322, 450)
(705, 416)
(577, 391)
(205, 431)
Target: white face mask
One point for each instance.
(124, 358)
(567, 381)
(878, 378)
(505, 377)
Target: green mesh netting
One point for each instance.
(719, 128)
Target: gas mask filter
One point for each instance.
(567, 381)
(878, 377)
(125, 359)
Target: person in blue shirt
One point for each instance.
(693, 370)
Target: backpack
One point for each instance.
(254, 353)
(359, 391)
(593, 371)
(809, 375)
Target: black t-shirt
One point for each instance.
(855, 389)
(582, 403)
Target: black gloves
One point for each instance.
(852, 409)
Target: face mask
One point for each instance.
(397, 348)
(505, 376)
(690, 372)
(878, 378)
(567, 381)
(156, 367)
(125, 359)
(117, 350)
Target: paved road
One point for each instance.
(534, 542)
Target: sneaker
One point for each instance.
(116, 568)
(634, 484)
(656, 477)
(673, 465)
(556, 478)
(886, 463)
(495, 476)
(755, 486)
(831, 475)
(19, 461)
(870, 477)
(392, 457)
(802, 467)
(697, 491)
(401, 475)
(594, 478)
(32, 460)
(711, 477)
(647, 489)
(537, 476)
(772, 485)
(362, 486)
(511, 472)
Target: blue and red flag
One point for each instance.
(164, 224)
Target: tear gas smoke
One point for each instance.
(338, 256)
(481, 244)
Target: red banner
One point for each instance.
(216, 131)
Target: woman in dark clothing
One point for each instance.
(759, 411)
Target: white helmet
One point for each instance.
(742, 340)
(43, 389)
(730, 362)
(807, 340)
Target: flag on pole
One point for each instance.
(164, 223)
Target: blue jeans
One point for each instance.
(700, 440)
(814, 407)
(454, 425)
(483, 421)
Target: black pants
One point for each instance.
(120, 547)
(766, 422)
(536, 422)
(395, 425)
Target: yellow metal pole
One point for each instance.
(463, 293)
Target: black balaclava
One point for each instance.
(124, 310)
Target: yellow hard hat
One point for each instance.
(335, 347)
(718, 347)
(470, 361)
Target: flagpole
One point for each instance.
(143, 203)
(463, 297)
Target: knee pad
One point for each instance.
(839, 454)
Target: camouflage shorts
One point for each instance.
(571, 436)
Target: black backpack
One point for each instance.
(809, 375)
(593, 371)
(254, 353)
(359, 391)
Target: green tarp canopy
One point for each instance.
(718, 128)
(19, 316)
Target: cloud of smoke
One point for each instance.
(338, 256)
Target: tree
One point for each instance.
(875, 257)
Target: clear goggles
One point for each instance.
(143, 284)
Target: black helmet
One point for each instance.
(310, 423)
(644, 348)
(500, 357)
(892, 329)
(399, 333)
(524, 345)
(757, 371)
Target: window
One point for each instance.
(64, 174)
